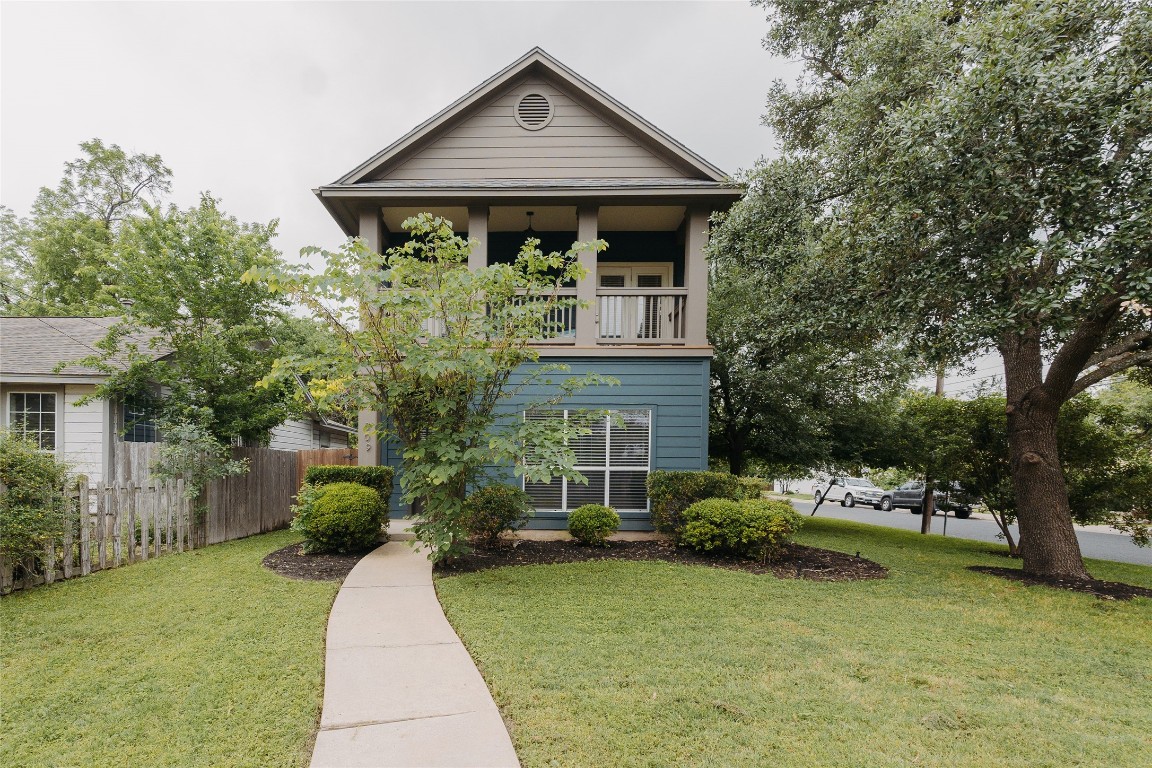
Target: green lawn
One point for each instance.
(200, 659)
(654, 664)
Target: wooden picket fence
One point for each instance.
(107, 526)
(136, 517)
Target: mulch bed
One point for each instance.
(794, 562)
(293, 563)
(1105, 590)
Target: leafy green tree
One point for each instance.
(61, 260)
(1105, 456)
(437, 348)
(985, 170)
(783, 396)
(196, 339)
(191, 453)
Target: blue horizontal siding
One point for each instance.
(674, 389)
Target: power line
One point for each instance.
(61, 331)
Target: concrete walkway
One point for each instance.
(399, 687)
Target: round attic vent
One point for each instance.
(534, 111)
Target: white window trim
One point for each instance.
(58, 393)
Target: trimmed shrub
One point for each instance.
(339, 517)
(753, 487)
(673, 492)
(493, 509)
(593, 524)
(376, 478)
(749, 528)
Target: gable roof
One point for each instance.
(429, 159)
(31, 348)
(540, 62)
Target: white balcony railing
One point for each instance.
(560, 321)
(641, 315)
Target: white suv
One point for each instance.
(848, 491)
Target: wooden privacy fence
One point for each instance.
(323, 456)
(257, 501)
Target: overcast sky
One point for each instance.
(261, 102)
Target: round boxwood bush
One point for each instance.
(750, 528)
(494, 509)
(593, 524)
(339, 517)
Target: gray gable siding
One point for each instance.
(490, 144)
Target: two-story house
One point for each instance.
(537, 150)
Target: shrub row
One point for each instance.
(754, 528)
(376, 478)
(673, 492)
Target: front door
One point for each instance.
(632, 316)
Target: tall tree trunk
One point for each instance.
(1048, 542)
(736, 449)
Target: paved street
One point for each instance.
(1103, 546)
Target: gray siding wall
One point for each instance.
(675, 389)
(492, 145)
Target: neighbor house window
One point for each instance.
(139, 423)
(33, 415)
(614, 457)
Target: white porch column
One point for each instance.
(367, 444)
(478, 229)
(587, 229)
(372, 229)
(696, 277)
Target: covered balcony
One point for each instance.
(648, 290)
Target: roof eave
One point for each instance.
(333, 196)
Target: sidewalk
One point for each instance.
(400, 688)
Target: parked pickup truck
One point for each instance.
(911, 496)
(849, 491)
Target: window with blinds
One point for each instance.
(615, 457)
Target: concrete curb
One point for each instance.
(400, 688)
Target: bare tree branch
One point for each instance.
(1108, 368)
(1131, 343)
(827, 68)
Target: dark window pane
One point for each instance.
(628, 491)
(593, 493)
(546, 496)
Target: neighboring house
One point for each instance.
(41, 402)
(539, 147)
